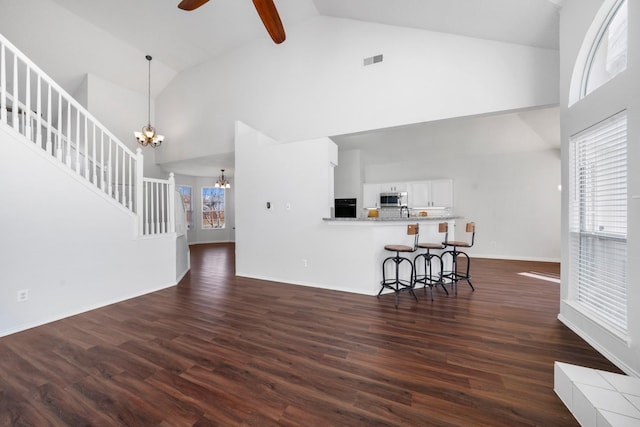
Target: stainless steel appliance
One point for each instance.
(393, 200)
(345, 208)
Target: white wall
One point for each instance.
(68, 244)
(295, 178)
(74, 47)
(512, 197)
(348, 175)
(315, 85)
(288, 241)
(623, 92)
(505, 169)
(123, 111)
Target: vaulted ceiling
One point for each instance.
(179, 40)
(109, 38)
(183, 39)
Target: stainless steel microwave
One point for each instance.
(394, 199)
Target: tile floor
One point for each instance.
(598, 398)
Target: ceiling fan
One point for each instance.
(265, 8)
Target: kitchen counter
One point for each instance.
(358, 246)
(394, 219)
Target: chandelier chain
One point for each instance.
(149, 92)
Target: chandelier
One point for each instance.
(149, 136)
(222, 181)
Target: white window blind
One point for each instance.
(598, 219)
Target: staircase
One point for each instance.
(32, 104)
(71, 195)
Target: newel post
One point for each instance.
(140, 190)
(172, 203)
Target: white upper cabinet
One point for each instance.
(442, 193)
(392, 187)
(419, 194)
(371, 195)
(437, 193)
(431, 194)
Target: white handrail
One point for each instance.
(54, 121)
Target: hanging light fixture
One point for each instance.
(222, 181)
(149, 136)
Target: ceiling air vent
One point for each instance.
(373, 60)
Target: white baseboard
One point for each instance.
(514, 258)
(40, 322)
(596, 345)
(210, 242)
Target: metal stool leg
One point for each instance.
(396, 284)
(456, 276)
(427, 278)
(440, 278)
(467, 276)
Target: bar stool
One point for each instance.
(428, 278)
(396, 284)
(455, 276)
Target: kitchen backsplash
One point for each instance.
(395, 212)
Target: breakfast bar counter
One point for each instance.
(359, 245)
(374, 220)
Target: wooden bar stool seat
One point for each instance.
(396, 284)
(399, 248)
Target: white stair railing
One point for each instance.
(38, 108)
(157, 204)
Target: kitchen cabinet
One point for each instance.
(421, 194)
(442, 193)
(371, 195)
(393, 187)
(434, 193)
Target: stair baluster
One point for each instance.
(49, 125)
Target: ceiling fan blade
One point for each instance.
(191, 4)
(270, 18)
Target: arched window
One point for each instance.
(608, 55)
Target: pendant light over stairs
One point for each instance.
(149, 136)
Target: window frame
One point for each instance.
(593, 50)
(221, 219)
(188, 205)
(598, 222)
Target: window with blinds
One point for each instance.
(598, 220)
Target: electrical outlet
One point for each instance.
(305, 263)
(23, 295)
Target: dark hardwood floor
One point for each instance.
(224, 350)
